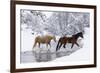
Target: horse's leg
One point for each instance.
(77, 44)
(49, 44)
(60, 45)
(64, 45)
(34, 44)
(39, 45)
(57, 46)
(72, 45)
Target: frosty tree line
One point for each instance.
(54, 22)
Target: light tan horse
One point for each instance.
(44, 40)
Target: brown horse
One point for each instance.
(44, 40)
(64, 40)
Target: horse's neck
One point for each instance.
(50, 38)
(76, 37)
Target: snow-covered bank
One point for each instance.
(27, 40)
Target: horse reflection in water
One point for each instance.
(44, 40)
(64, 40)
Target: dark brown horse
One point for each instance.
(64, 40)
(44, 40)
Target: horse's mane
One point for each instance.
(44, 36)
(77, 33)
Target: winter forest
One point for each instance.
(57, 23)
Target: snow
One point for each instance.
(27, 40)
(81, 53)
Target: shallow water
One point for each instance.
(46, 55)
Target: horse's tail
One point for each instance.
(34, 44)
(57, 45)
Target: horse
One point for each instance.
(44, 40)
(64, 40)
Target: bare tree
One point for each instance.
(33, 19)
(58, 23)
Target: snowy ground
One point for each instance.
(64, 54)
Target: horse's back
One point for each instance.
(42, 39)
(38, 39)
(63, 39)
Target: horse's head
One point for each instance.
(54, 38)
(80, 35)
